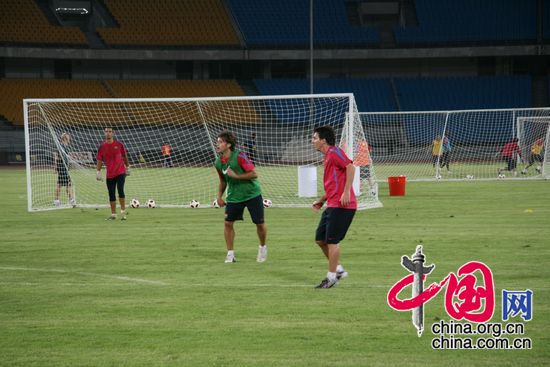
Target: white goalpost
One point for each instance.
(459, 145)
(534, 135)
(279, 128)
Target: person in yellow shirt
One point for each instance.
(436, 149)
(536, 154)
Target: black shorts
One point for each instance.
(116, 183)
(535, 158)
(510, 163)
(334, 225)
(63, 178)
(234, 211)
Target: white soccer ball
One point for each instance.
(501, 175)
(134, 203)
(470, 177)
(151, 203)
(524, 171)
(267, 203)
(194, 204)
(438, 177)
(215, 204)
(538, 169)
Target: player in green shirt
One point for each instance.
(238, 175)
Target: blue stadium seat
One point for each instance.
(370, 94)
(546, 19)
(456, 93)
(465, 93)
(470, 21)
(286, 23)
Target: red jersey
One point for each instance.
(111, 155)
(243, 160)
(334, 178)
(509, 149)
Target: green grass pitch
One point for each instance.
(76, 290)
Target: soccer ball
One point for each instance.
(470, 177)
(215, 204)
(194, 204)
(524, 171)
(151, 203)
(267, 203)
(538, 169)
(134, 203)
(501, 175)
(438, 177)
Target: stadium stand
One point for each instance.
(22, 22)
(370, 94)
(546, 19)
(13, 91)
(169, 23)
(286, 23)
(444, 22)
(175, 88)
(457, 93)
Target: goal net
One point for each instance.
(458, 145)
(275, 131)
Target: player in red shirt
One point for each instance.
(112, 153)
(509, 153)
(341, 203)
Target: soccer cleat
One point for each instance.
(57, 203)
(341, 275)
(112, 217)
(326, 283)
(262, 254)
(230, 259)
(123, 215)
(73, 203)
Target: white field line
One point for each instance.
(117, 277)
(183, 285)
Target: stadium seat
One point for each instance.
(175, 23)
(24, 23)
(443, 22)
(285, 23)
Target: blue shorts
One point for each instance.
(334, 225)
(234, 211)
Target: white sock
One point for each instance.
(331, 276)
(231, 253)
(340, 269)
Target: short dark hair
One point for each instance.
(326, 132)
(229, 138)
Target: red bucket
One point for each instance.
(397, 185)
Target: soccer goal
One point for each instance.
(275, 131)
(458, 145)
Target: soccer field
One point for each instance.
(76, 290)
